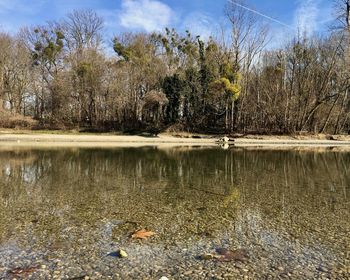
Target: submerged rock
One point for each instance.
(118, 254)
(123, 254)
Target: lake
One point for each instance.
(281, 214)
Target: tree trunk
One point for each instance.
(232, 115)
(329, 115)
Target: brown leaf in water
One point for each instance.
(226, 255)
(23, 271)
(142, 234)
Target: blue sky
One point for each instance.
(203, 17)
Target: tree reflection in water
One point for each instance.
(292, 203)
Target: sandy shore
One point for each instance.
(110, 140)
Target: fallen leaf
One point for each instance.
(23, 271)
(142, 234)
(226, 255)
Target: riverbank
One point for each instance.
(58, 138)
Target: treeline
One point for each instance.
(64, 75)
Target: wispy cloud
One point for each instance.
(306, 16)
(200, 24)
(147, 15)
(309, 18)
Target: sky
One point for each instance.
(202, 17)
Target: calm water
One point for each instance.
(63, 211)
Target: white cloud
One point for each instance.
(200, 24)
(148, 15)
(306, 16)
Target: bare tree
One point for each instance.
(342, 14)
(14, 71)
(342, 10)
(46, 46)
(82, 30)
(249, 37)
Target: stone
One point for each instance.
(122, 254)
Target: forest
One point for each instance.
(67, 75)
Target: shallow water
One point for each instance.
(63, 211)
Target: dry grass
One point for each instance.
(16, 121)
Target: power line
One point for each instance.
(260, 14)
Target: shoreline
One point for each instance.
(23, 138)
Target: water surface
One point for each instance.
(63, 211)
